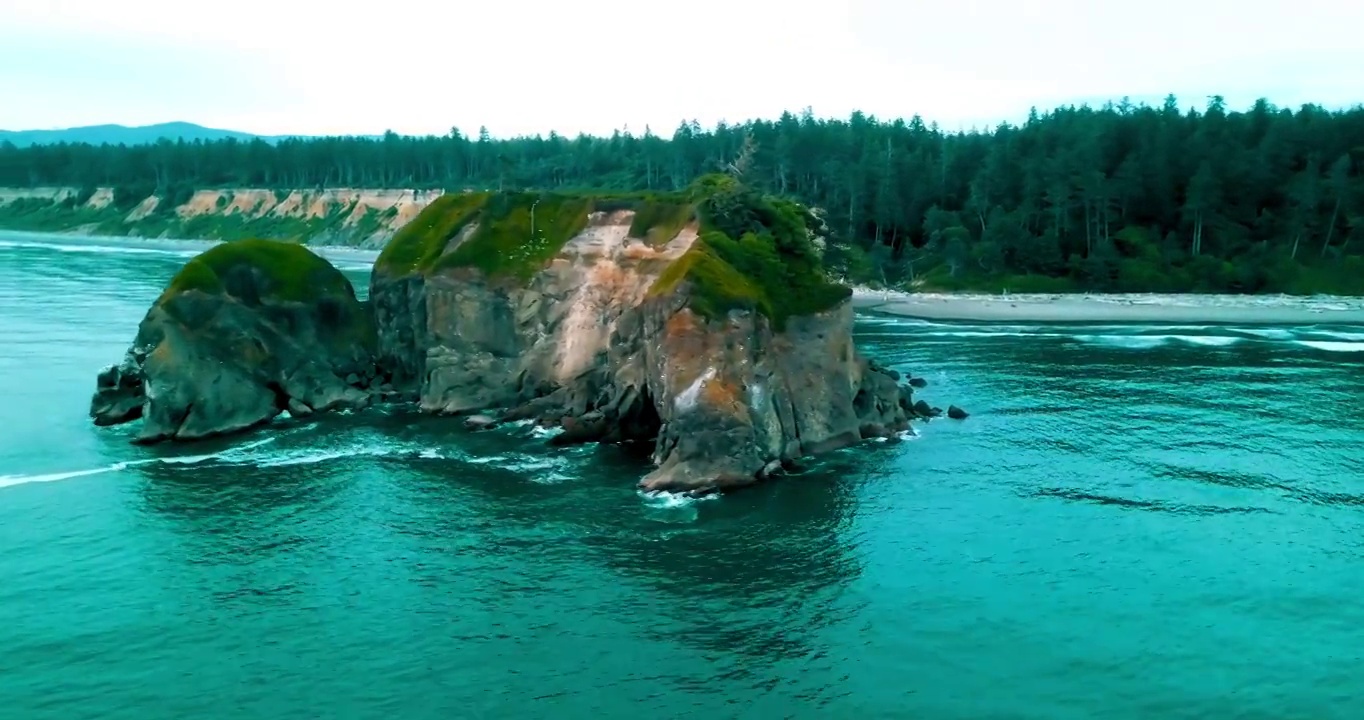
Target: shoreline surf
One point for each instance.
(1115, 308)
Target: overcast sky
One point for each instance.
(522, 67)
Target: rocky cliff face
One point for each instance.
(701, 322)
(633, 330)
(245, 331)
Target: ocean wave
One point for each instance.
(100, 249)
(12, 480)
(1336, 335)
(1335, 347)
(1186, 300)
(1146, 342)
(1132, 336)
(1266, 333)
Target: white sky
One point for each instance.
(518, 67)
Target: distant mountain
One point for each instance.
(116, 134)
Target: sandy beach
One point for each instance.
(1209, 309)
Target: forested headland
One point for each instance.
(1119, 198)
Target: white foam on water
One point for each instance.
(306, 458)
(1128, 342)
(1268, 333)
(1348, 336)
(994, 334)
(537, 469)
(545, 432)
(1147, 342)
(313, 456)
(663, 500)
(902, 436)
(190, 459)
(1338, 347)
(12, 480)
(1207, 340)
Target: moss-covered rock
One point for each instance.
(246, 330)
(624, 328)
(256, 271)
(755, 252)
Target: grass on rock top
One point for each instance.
(518, 233)
(254, 270)
(755, 251)
(659, 220)
(418, 245)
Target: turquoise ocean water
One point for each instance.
(1136, 522)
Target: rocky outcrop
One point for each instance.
(700, 322)
(244, 332)
(628, 331)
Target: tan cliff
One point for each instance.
(342, 216)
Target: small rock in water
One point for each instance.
(874, 430)
(907, 398)
(480, 422)
(352, 379)
(894, 375)
(918, 382)
(923, 409)
(298, 409)
(957, 413)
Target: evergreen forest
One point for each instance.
(1119, 198)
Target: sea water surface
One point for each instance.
(1136, 522)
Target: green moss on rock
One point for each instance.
(754, 253)
(419, 244)
(258, 270)
(717, 287)
(659, 219)
(518, 233)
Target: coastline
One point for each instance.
(947, 307)
(1115, 308)
(330, 252)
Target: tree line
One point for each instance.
(1122, 197)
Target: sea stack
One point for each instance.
(245, 331)
(701, 321)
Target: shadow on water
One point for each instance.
(752, 576)
(757, 558)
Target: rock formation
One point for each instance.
(699, 321)
(243, 332)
